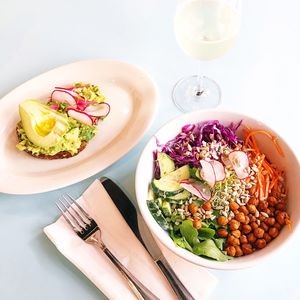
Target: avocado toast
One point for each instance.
(63, 126)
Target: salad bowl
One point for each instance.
(288, 163)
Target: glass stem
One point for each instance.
(199, 89)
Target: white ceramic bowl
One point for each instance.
(290, 164)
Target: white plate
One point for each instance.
(133, 99)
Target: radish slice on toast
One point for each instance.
(80, 116)
(240, 162)
(98, 110)
(63, 96)
(197, 188)
(207, 172)
(218, 169)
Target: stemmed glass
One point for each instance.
(205, 30)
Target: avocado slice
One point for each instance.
(42, 125)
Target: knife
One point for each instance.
(135, 221)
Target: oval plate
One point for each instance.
(133, 99)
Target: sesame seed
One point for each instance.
(264, 214)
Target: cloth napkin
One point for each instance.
(119, 238)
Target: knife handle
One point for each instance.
(180, 290)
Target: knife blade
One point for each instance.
(136, 223)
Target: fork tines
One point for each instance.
(75, 215)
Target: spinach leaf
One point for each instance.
(220, 243)
(206, 233)
(180, 241)
(209, 249)
(189, 232)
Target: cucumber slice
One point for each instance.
(157, 214)
(166, 187)
(166, 208)
(151, 195)
(185, 195)
(180, 174)
(166, 164)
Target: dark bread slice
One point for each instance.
(59, 155)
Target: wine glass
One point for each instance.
(205, 30)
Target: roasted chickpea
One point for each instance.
(197, 223)
(254, 225)
(261, 218)
(240, 217)
(273, 232)
(263, 205)
(251, 238)
(222, 232)
(236, 233)
(246, 228)
(231, 240)
(234, 224)
(260, 243)
(264, 226)
(253, 200)
(270, 221)
(243, 239)
(222, 221)
(267, 237)
(272, 201)
(281, 206)
(277, 225)
(193, 208)
(238, 251)
(247, 220)
(251, 208)
(233, 206)
(244, 210)
(258, 232)
(281, 217)
(247, 248)
(231, 251)
(252, 219)
(206, 206)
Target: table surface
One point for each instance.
(259, 76)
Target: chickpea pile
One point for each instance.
(253, 225)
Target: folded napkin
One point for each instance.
(119, 238)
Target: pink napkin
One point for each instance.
(122, 242)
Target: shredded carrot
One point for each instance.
(273, 139)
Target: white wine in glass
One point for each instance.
(205, 30)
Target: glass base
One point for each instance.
(194, 93)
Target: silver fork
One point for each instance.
(88, 230)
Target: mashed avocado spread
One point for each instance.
(43, 130)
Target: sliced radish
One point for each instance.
(98, 110)
(240, 163)
(64, 88)
(218, 169)
(54, 107)
(207, 172)
(225, 160)
(80, 116)
(197, 188)
(63, 96)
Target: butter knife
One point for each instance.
(135, 221)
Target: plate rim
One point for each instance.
(154, 103)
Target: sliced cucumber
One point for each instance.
(151, 195)
(185, 195)
(180, 174)
(166, 164)
(157, 214)
(166, 187)
(166, 208)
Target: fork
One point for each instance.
(88, 230)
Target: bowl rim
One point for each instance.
(157, 230)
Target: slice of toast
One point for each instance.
(59, 155)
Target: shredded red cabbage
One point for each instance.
(192, 136)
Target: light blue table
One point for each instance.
(260, 76)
